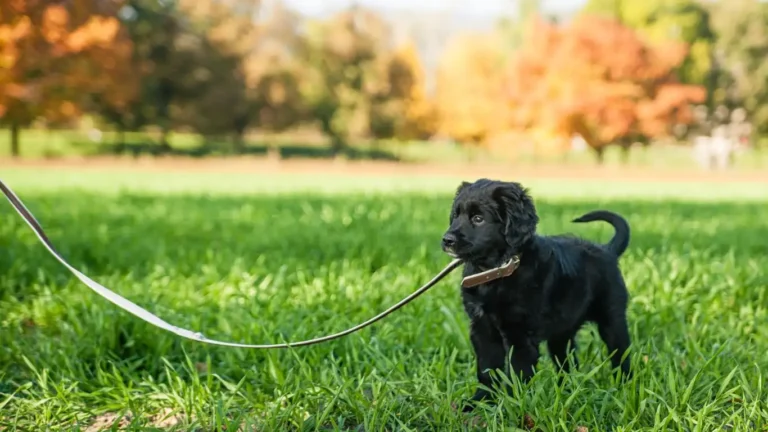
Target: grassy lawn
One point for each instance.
(264, 259)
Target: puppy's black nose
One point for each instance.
(449, 240)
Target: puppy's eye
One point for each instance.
(477, 219)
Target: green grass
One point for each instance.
(219, 255)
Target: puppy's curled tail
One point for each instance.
(620, 240)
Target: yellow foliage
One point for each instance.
(470, 82)
(419, 112)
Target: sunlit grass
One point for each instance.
(112, 182)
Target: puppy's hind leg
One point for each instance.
(614, 332)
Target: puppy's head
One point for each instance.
(488, 220)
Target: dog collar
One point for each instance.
(505, 270)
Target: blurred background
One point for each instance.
(680, 84)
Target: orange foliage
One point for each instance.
(598, 79)
(77, 57)
(470, 84)
(97, 31)
(54, 25)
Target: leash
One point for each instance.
(156, 321)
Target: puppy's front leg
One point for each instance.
(490, 355)
(525, 355)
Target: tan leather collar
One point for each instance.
(491, 275)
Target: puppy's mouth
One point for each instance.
(451, 252)
(466, 254)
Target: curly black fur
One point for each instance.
(562, 282)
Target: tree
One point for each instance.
(11, 35)
(220, 35)
(230, 68)
(273, 72)
(54, 57)
(415, 115)
(470, 85)
(398, 106)
(169, 64)
(740, 53)
(662, 21)
(343, 58)
(599, 79)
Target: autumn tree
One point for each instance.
(598, 79)
(470, 84)
(396, 98)
(251, 56)
(741, 75)
(11, 35)
(415, 113)
(217, 37)
(662, 21)
(343, 58)
(274, 71)
(54, 57)
(170, 61)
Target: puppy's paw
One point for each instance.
(621, 377)
(473, 421)
(469, 405)
(465, 406)
(626, 376)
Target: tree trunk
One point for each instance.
(625, 154)
(337, 146)
(273, 152)
(238, 142)
(164, 146)
(600, 155)
(15, 132)
(121, 135)
(240, 126)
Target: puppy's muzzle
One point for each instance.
(449, 244)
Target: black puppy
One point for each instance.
(545, 288)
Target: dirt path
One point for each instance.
(386, 169)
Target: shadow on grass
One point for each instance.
(287, 151)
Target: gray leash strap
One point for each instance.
(149, 317)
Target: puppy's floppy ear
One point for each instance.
(519, 212)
